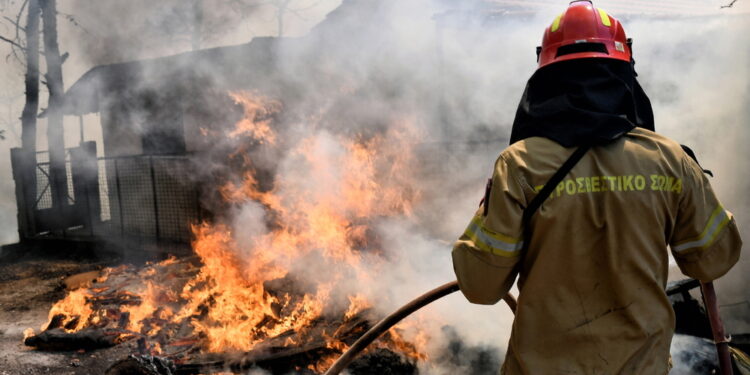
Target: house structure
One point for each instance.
(142, 191)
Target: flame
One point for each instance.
(357, 303)
(314, 253)
(74, 306)
(28, 332)
(238, 301)
(149, 306)
(258, 115)
(409, 339)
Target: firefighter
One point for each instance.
(583, 207)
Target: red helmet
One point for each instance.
(583, 32)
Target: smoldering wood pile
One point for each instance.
(165, 347)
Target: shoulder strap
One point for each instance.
(690, 153)
(548, 188)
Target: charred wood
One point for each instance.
(382, 362)
(273, 359)
(122, 322)
(87, 339)
(275, 354)
(73, 323)
(379, 362)
(142, 365)
(56, 322)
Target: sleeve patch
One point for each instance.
(492, 242)
(716, 223)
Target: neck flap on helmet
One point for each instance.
(582, 102)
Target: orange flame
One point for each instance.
(316, 242)
(258, 115)
(28, 332)
(74, 306)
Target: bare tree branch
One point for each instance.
(729, 5)
(283, 7)
(18, 27)
(17, 43)
(12, 42)
(71, 18)
(14, 52)
(18, 20)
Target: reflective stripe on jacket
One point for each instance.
(592, 282)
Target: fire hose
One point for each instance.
(391, 320)
(717, 328)
(707, 289)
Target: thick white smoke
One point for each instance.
(460, 75)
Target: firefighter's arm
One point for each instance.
(486, 255)
(706, 242)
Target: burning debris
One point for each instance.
(286, 290)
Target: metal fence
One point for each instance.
(43, 198)
(147, 197)
(143, 197)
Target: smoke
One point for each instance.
(693, 356)
(114, 31)
(698, 82)
(464, 82)
(456, 79)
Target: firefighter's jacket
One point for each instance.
(592, 281)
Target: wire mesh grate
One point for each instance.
(137, 198)
(69, 180)
(43, 197)
(177, 203)
(147, 196)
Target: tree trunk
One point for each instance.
(28, 122)
(30, 109)
(58, 174)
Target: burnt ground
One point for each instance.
(30, 283)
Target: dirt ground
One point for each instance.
(29, 285)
